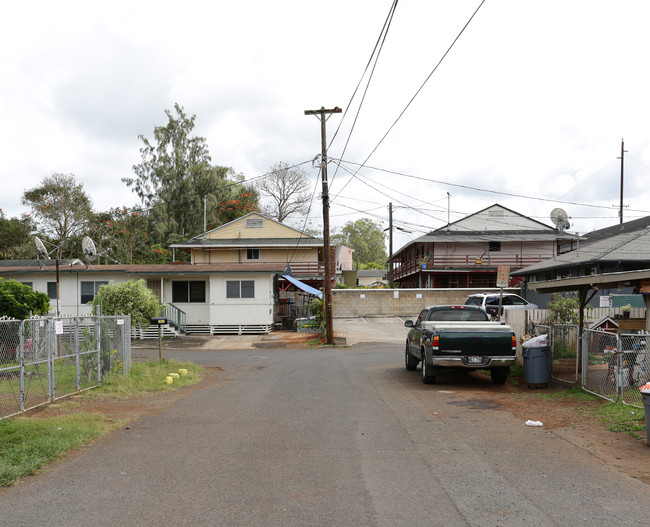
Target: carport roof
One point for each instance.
(631, 247)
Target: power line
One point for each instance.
(478, 189)
(419, 89)
(382, 37)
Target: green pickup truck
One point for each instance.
(459, 338)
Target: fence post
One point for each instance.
(21, 403)
(77, 349)
(98, 333)
(50, 359)
(584, 349)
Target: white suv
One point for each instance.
(490, 302)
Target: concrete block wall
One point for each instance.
(395, 302)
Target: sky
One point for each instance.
(467, 104)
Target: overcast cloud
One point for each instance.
(533, 100)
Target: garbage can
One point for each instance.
(536, 353)
(646, 408)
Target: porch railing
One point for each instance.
(175, 316)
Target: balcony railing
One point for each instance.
(310, 269)
(464, 262)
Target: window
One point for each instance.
(185, 291)
(28, 284)
(494, 246)
(89, 290)
(517, 300)
(252, 254)
(51, 290)
(240, 289)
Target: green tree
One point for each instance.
(235, 207)
(176, 178)
(366, 237)
(15, 237)
(287, 189)
(128, 298)
(61, 207)
(21, 301)
(121, 233)
(564, 310)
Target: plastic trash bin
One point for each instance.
(536, 353)
(646, 408)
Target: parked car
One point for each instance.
(490, 302)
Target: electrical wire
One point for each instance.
(382, 37)
(418, 90)
(478, 189)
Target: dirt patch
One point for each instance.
(575, 422)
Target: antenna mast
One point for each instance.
(620, 210)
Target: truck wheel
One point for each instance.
(410, 362)
(428, 372)
(499, 375)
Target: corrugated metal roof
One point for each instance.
(631, 247)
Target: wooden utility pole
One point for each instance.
(390, 245)
(327, 281)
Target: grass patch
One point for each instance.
(618, 417)
(147, 377)
(622, 418)
(28, 444)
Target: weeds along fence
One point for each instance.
(615, 365)
(45, 359)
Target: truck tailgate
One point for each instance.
(461, 342)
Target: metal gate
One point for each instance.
(616, 365)
(45, 359)
(563, 339)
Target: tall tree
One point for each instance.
(366, 237)
(121, 233)
(176, 178)
(61, 207)
(287, 188)
(15, 237)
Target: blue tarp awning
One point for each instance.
(307, 288)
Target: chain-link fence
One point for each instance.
(616, 365)
(44, 359)
(599, 363)
(563, 340)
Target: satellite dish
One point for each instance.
(41, 250)
(560, 219)
(88, 246)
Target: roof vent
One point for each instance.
(254, 223)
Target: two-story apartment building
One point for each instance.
(467, 253)
(236, 280)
